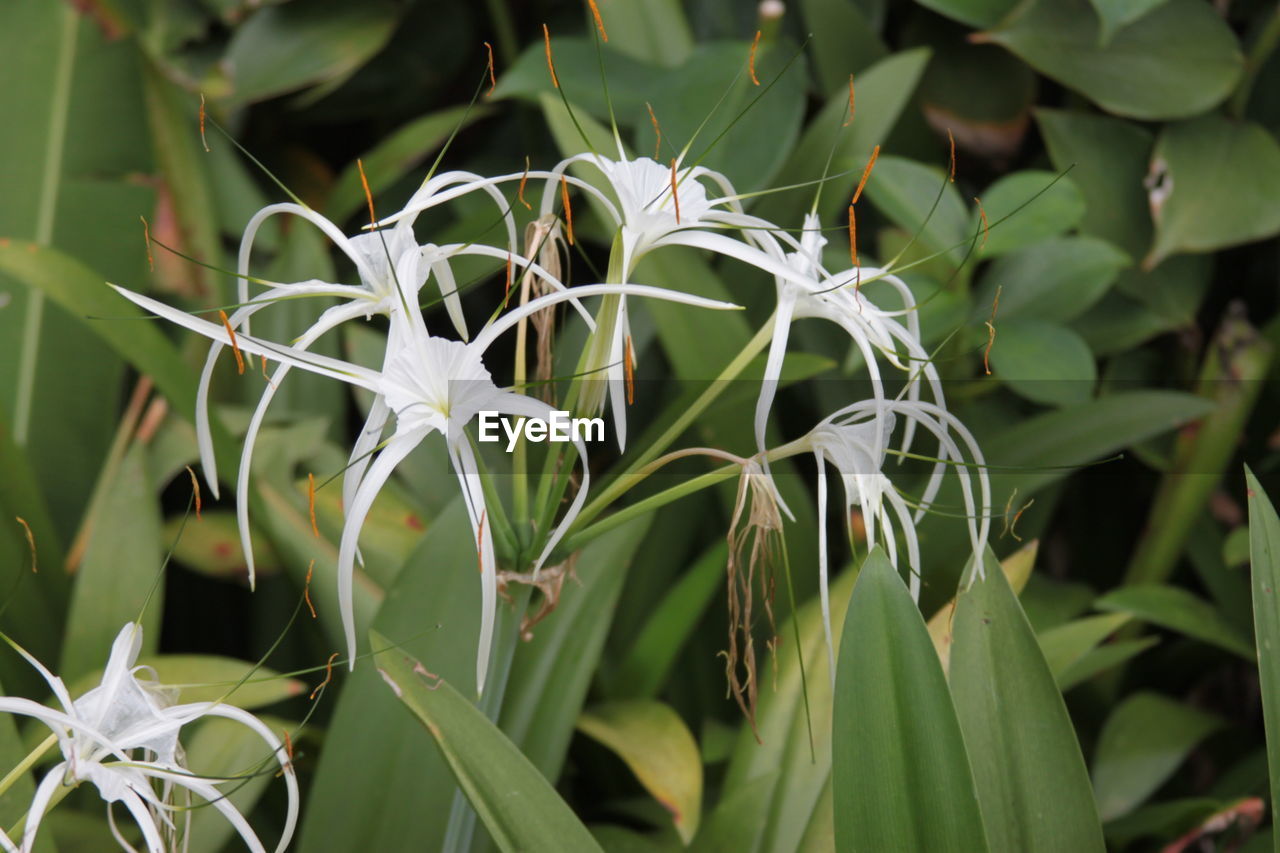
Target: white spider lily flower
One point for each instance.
(855, 441)
(656, 206)
(811, 292)
(122, 738)
(430, 385)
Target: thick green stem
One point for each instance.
(1231, 376)
(27, 763)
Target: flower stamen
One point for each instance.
(866, 173)
(493, 83)
(551, 66)
(523, 180)
(629, 370)
(952, 142)
(311, 503)
(982, 213)
(848, 121)
(568, 209)
(195, 490)
(657, 129)
(146, 238)
(306, 589)
(235, 347)
(368, 196)
(751, 59)
(595, 11)
(675, 196)
(203, 141)
(991, 333)
(31, 540)
(328, 676)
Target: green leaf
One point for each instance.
(1217, 184)
(211, 546)
(652, 30)
(565, 650)
(1058, 208)
(976, 13)
(1056, 279)
(883, 91)
(905, 191)
(901, 776)
(1108, 159)
(1142, 743)
(1178, 61)
(646, 665)
(287, 47)
(843, 42)
(1064, 646)
(1044, 362)
(518, 806)
(395, 155)
(1115, 15)
(1264, 555)
(631, 81)
(1177, 610)
(656, 744)
(1031, 778)
(1016, 567)
(1104, 657)
(121, 569)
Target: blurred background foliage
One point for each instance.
(1136, 316)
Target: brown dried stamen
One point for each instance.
(31, 541)
(203, 141)
(235, 347)
(568, 209)
(195, 490)
(751, 59)
(146, 238)
(952, 141)
(328, 675)
(493, 82)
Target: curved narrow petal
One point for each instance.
(362, 450)
(40, 804)
(449, 293)
(390, 457)
(911, 540)
(772, 376)
(615, 374)
(823, 594)
(333, 368)
(330, 319)
(215, 798)
(527, 264)
(142, 816)
(464, 466)
(509, 319)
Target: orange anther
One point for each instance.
(493, 82)
(751, 59)
(568, 209)
(311, 502)
(328, 675)
(849, 120)
(146, 238)
(506, 294)
(595, 10)
(480, 543)
(523, 180)
(306, 589)
(235, 347)
(657, 130)
(203, 141)
(195, 490)
(31, 540)
(675, 196)
(952, 141)
(629, 370)
(866, 173)
(551, 66)
(368, 196)
(991, 333)
(982, 213)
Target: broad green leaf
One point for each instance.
(844, 42)
(1016, 567)
(1166, 820)
(646, 665)
(1031, 778)
(211, 546)
(434, 610)
(1043, 362)
(1064, 646)
(1264, 556)
(882, 92)
(901, 778)
(652, 30)
(1115, 15)
(905, 191)
(391, 531)
(394, 156)
(976, 13)
(1178, 61)
(631, 81)
(565, 650)
(656, 744)
(794, 744)
(1108, 159)
(1056, 279)
(283, 48)
(1104, 657)
(1142, 743)
(221, 747)
(210, 678)
(120, 573)
(1216, 184)
(1174, 608)
(1047, 205)
(518, 806)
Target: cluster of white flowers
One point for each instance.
(427, 384)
